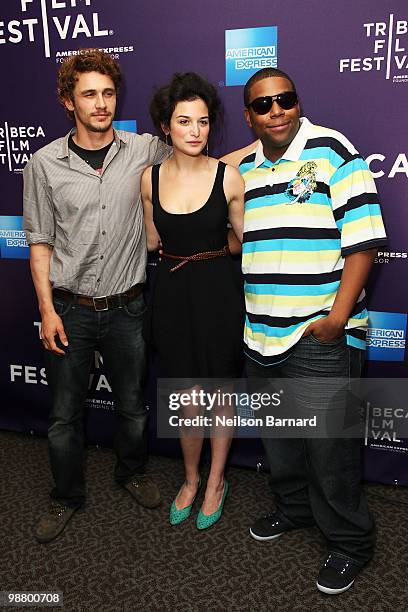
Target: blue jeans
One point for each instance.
(318, 481)
(117, 335)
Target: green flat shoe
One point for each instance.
(179, 516)
(204, 521)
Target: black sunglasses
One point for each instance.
(286, 100)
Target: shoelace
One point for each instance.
(274, 520)
(142, 479)
(57, 509)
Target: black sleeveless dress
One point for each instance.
(197, 311)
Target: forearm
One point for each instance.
(40, 256)
(153, 243)
(234, 244)
(356, 269)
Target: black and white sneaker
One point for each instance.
(337, 574)
(269, 527)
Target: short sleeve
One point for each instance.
(158, 150)
(356, 206)
(38, 211)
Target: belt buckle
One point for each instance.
(105, 307)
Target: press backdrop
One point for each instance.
(350, 63)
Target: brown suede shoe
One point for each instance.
(144, 491)
(53, 522)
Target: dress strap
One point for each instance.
(155, 184)
(219, 177)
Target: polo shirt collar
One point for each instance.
(295, 148)
(119, 136)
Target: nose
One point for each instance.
(276, 110)
(195, 128)
(100, 100)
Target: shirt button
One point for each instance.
(101, 257)
(273, 169)
(103, 206)
(103, 233)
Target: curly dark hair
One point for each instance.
(183, 87)
(87, 60)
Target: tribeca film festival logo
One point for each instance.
(247, 51)
(36, 375)
(385, 423)
(386, 336)
(386, 416)
(390, 168)
(389, 54)
(15, 144)
(40, 19)
(13, 243)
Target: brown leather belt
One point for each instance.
(196, 257)
(105, 302)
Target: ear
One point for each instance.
(247, 117)
(165, 128)
(69, 105)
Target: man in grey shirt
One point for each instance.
(84, 223)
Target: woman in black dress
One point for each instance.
(197, 311)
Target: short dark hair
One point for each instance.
(183, 87)
(264, 73)
(86, 60)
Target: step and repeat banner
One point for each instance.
(349, 61)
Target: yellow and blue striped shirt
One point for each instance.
(303, 215)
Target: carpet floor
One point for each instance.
(115, 556)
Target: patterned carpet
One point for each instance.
(116, 556)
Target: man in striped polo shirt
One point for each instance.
(312, 227)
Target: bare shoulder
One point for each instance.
(232, 176)
(234, 186)
(235, 157)
(147, 173)
(212, 164)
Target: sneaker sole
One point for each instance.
(329, 591)
(264, 538)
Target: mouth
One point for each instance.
(278, 128)
(101, 115)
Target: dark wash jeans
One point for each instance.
(318, 481)
(117, 335)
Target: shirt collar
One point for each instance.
(295, 148)
(119, 136)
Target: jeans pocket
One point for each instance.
(334, 342)
(61, 307)
(135, 308)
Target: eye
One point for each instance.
(183, 121)
(204, 122)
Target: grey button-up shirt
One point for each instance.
(93, 222)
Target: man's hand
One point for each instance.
(51, 326)
(355, 272)
(325, 329)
